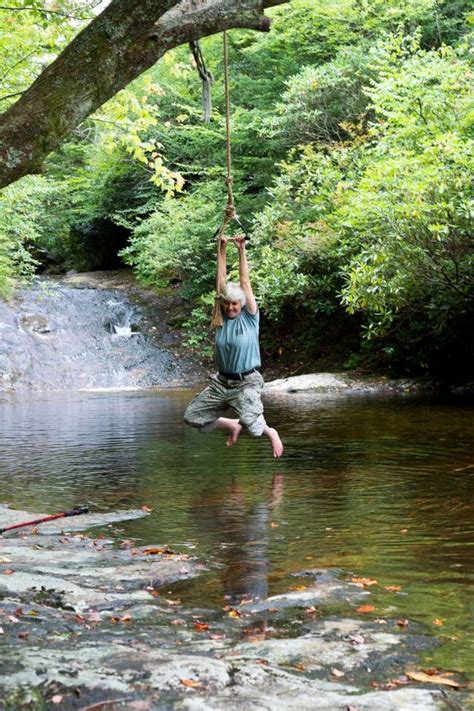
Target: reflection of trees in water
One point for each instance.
(60, 450)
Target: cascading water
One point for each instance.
(54, 337)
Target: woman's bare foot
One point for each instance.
(277, 444)
(232, 426)
(234, 434)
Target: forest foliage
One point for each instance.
(352, 133)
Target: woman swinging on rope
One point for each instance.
(238, 383)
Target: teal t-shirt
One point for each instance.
(237, 348)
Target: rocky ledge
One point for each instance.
(90, 624)
(334, 383)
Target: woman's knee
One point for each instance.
(254, 427)
(193, 418)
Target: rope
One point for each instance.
(229, 212)
(230, 208)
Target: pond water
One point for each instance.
(377, 487)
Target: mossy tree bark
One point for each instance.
(127, 38)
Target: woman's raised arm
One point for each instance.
(244, 276)
(221, 265)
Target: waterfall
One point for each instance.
(56, 337)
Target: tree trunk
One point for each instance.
(127, 38)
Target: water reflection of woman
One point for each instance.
(246, 540)
(238, 383)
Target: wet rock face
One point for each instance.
(87, 622)
(57, 337)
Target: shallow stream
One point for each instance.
(379, 487)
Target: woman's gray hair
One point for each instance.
(233, 292)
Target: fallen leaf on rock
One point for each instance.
(23, 635)
(433, 679)
(357, 639)
(235, 613)
(8, 571)
(177, 622)
(146, 508)
(13, 619)
(201, 626)
(299, 667)
(192, 683)
(365, 608)
(366, 582)
(57, 699)
(253, 630)
(158, 551)
(393, 588)
(402, 680)
(215, 635)
(126, 618)
(402, 623)
(337, 672)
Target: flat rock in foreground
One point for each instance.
(90, 625)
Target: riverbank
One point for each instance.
(103, 330)
(92, 624)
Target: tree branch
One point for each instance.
(10, 96)
(127, 38)
(43, 11)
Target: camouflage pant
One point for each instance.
(243, 396)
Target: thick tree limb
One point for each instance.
(127, 38)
